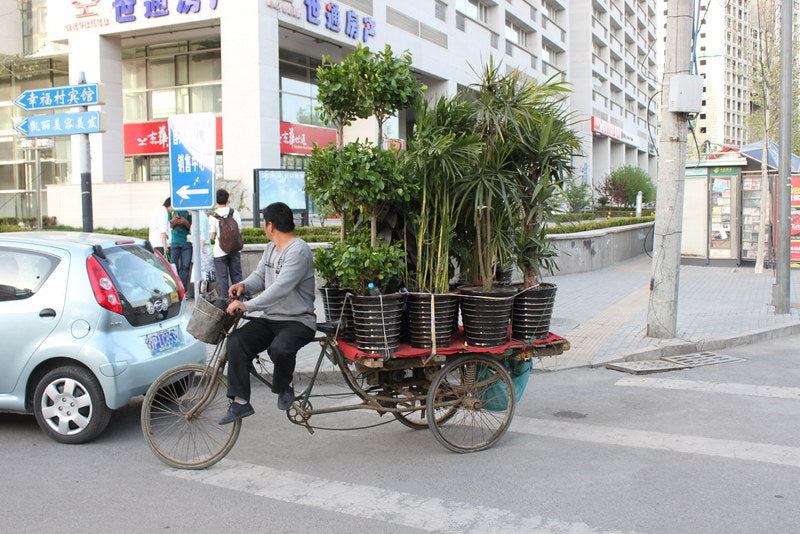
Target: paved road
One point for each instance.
(714, 449)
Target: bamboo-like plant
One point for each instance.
(439, 155)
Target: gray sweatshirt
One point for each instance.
(286, 281)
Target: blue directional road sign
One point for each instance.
(66, 96)
(192, 160)
(84, 122)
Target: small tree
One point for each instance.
(622, 185)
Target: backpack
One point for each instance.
(229, 236)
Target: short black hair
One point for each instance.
(222, 196)
(280, 215)
(168, 202)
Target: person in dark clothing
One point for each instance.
(285, 319)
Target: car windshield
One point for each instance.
(144, 282)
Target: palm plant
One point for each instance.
(528, 144)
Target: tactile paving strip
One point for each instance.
(645, 366)
(702, 358)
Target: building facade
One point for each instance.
(252, 64)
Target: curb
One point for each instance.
(681, 348)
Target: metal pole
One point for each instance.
(86, 173)
(662, 313)
(781, 289)
(196, 255)
(38, 172)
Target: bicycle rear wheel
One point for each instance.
(177, 439)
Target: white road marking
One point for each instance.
(723, 448)
(729, 388)
(370, 502)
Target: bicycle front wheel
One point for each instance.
(181, 440)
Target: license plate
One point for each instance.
(162, 340)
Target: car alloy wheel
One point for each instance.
(70, 406)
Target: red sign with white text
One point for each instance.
(606, 128)
(300, 139)
(144, 138)
(794, 251)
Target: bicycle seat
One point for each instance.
(328, 328)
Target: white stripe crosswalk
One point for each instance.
(712, 387)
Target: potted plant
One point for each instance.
(378, 314)
(335, 302)
(439, 155)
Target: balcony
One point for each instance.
(600, 30)
(600, 66)
(616, 78)
(553, 31)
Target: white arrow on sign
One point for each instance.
(184, 192)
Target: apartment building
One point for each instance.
(252, 64)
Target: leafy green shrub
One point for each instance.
(597, 225)
(622, 185)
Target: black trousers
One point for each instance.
(282, 338)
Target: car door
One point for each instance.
(33, 282)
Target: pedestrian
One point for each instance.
(159, 228)
(284, 318)
(180, 249)
(227, 263)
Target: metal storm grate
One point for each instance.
(702, 358)
(645, 366)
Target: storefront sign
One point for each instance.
(146, 138)
(192, 160)
(300, 139)
(84, 122)
(350, 22)
(125, 10)
(602, 127)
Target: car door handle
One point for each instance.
(47, 312)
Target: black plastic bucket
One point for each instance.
(378, 323)
(445, 313)
(333, 300)
(532, 311)
(485, 315)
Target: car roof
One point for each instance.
(76, 239)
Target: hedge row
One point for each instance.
(311, 234)
(597, 225)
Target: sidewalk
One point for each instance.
(603, 314)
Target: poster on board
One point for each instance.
(279, 185)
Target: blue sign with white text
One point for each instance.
(84, 122)
(192, 160)
(89, 94)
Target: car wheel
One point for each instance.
(70, 406)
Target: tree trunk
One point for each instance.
(763, 204)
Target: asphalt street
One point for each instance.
(713, 449)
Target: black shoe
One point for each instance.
(237, 411)
(285, 399)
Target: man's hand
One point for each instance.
(236, 305)
(236, 290)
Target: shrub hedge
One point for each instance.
(597, 225)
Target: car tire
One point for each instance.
(70, 406)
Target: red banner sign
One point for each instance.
(300, 139)
(606, 128)
(145, 138)
(794, 255)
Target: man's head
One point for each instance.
(278, 216)
(168, 204)
(222, 197)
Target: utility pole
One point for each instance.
(86, 174)
(662, 312)
(781, 288)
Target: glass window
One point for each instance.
(161, 72)
(135, 106)
(134, 74)
(205, 67)
(473, 9)
(23, 272)
(206, 98)
(294, 79)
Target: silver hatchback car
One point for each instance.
(88, 322)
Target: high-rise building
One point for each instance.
(252, 64)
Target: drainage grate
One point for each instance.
(702, 358)
(645, 366)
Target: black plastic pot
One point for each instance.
(532, 311)
(485, 315)
(445, 313)
(378, 323)
(333, 299)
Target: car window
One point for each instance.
(144, 282)
(22, 272)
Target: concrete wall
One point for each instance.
(577, 253)
(595, 249)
